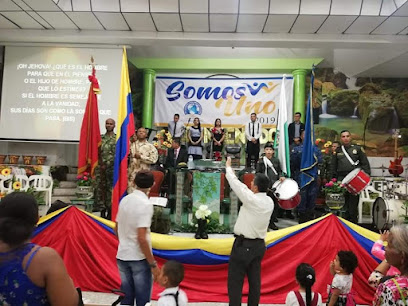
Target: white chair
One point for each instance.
(42, 183)
(365, 198)
(6, 183)
(23, 179)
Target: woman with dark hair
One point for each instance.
(29, 274)
(195, 136)
(305, 277)
(394, 291)
(218, 135)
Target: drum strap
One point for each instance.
(269, 164)
(354, 163)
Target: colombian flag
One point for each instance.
(126, 128)
(90, 137)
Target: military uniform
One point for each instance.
(148, 156)
(341, 166)
(104, 175)
(273, 177)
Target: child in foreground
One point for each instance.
(170, 277)
(342, 267)
(305, 277)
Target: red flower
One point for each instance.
(85, 178)
(334, 179)
(86, 173)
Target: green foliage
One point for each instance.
(333, 186)
(342, 102)
(213, 225)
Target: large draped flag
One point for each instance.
(77, 235)
(90, 137)
(282, 131)
(308, 165)
(126, 124)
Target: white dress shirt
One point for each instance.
(169, 300)
(255, 212)
(256, 127)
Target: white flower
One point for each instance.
(200, 214)
(203, 207)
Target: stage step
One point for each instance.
(64, 191)
(67, 184)
(72, 177)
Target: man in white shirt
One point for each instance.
(176, 127)
(250, 231)
(253, 131)
(134, 257)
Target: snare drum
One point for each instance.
(356, 181)
(287, 193)
(388, 212)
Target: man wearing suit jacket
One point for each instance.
(296, 128)
(177, 154)
(253, 130)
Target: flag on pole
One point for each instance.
(308, 165)
(90, 137)
(282, 135)
(126, 128)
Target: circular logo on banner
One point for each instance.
(193, 108)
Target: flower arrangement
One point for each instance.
(323, 145)
(84, 179)
(333, 187)
(163, 141)
(202, 212)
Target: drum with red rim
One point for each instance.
(356, 181)
(287, 193)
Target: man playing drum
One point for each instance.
(347, 158)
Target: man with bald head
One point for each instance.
(104, 170)
(142, 155)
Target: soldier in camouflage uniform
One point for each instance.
(104, 171)
(341, 166)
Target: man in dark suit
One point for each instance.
(295, 128)
(177, 154)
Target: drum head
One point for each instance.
(388, 212)
(286, 189)
(350, 176)
(380, 213)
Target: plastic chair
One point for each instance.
(158, 179)
(6, 184)
(42, 183)
(23, 179)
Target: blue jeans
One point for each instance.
(136, 277)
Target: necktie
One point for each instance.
(174, 131)
(253, 129)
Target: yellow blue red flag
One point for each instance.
(126, 128)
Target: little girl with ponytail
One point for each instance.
(305, 277)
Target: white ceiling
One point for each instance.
(338, 30)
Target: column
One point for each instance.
(299, 91)
(148, 94)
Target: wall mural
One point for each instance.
(371, 108)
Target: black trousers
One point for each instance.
(252, 153)
(245, 259)
(351, 206)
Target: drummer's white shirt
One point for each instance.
(255, 212)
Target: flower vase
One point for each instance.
(201, 229)
(335, 201)
(84, 192)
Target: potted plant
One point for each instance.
(334, 194)
(84, 186)
(162, 142)
(202, 215)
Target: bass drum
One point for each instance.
(388, 212)
(287, 193)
